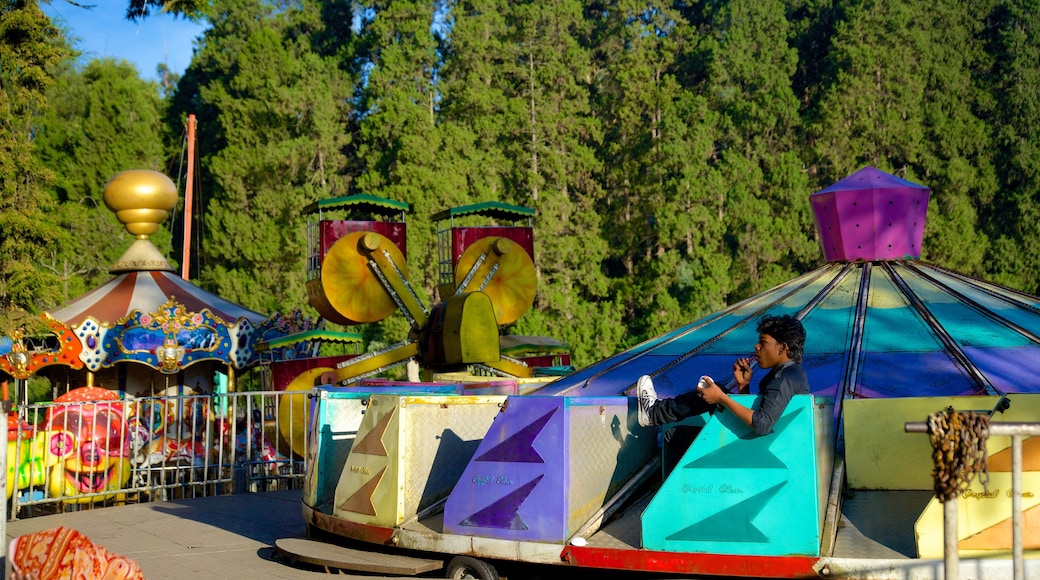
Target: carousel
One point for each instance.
(171, 331)
(133, 366)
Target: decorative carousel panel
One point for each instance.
(168, 339)
(20, 362)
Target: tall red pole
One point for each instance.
(186, 258)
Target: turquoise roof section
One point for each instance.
(491, 209)
(363, 202)
(893, 328)
(891, 322)
(967, 326)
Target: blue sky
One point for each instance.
(104, 31)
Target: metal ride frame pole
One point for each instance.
(1016, 505)
(4, 567)
(999, 429)
(951, 558)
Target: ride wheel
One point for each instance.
(348, 291)
(467, 567)
(513, 286)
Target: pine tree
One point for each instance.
(902, 99)
(272, 123)
(102, 120)
(956, 157)
(398, 140)
(871, 108)
(661, 221)
(551, 141)
(1012, 38)
(472, 111)
(751, 63)
(30, 48)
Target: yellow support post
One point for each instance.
(395, 282)
(364, 364)
(512, 368)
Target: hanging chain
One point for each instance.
(958, 450)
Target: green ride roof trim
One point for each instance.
(491, 209)
(362, 201)
(309, 335)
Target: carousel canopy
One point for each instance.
(877, 326)
(146, 292)
(146, 313)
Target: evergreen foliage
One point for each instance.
(30, 48)
(102, 119)
(669, 148)
(272, 132)
(398, 141)
(1011, 39)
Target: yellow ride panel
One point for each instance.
(880, 454)
(512, 287)
(348, 291)
(983, 519)
(408, 454)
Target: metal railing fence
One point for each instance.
(1017, 432)
(80, 455)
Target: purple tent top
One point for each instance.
(871, 215)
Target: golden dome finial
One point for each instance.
(141, 200)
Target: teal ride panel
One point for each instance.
(335, 418)
(737, 494)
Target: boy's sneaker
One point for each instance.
(647, 399)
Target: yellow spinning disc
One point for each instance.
(513, 286)
(294, 411)
(349, 285)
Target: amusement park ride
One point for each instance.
(563, 475)
(120, 351)
(358, 274)
(149, 338)
(496, 453)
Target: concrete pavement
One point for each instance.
(226, 537)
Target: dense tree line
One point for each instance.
(669, 148)
(30, 49)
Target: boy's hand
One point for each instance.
(709, 391)
(742, 374)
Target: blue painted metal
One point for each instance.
(926, 332)
(546, 465)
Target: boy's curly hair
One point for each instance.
(785, 329)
